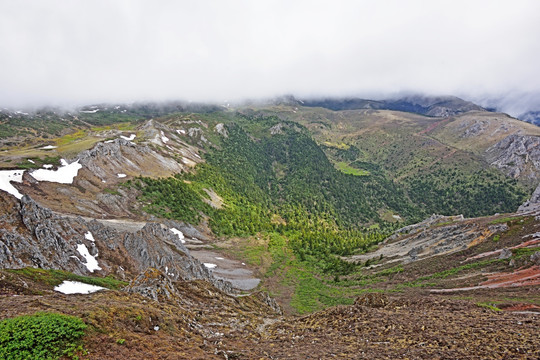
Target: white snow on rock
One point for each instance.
(89, 236)
(89, 111)
(11, 175)
(49, 147)
(181, 131)
(75, 287)
(109, 141)
(219, 258)
(210, 265)
(121, 175)
(179, 234)
(31, 161)
(163, 137)
(131, 137)
(91, 262)
(64, 174)
(48, 166)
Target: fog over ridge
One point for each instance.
(80, 52)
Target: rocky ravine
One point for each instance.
(31, 235)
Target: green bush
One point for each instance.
(39, 336)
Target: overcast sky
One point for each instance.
(80, 52)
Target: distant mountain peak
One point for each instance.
(436, 106)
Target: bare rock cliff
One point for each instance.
(34, 236)
(518, 156)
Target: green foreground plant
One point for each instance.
(40, 336)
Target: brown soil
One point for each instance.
(204, 323)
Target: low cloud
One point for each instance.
(79, 52)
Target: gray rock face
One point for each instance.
(122, 156)
(434, 236)
(505, 254)
(535, 258)
(430, 221)
(518, 156)
(533, 204)
(272, 304)
(31, 235)
(34, 236)
(153, 284)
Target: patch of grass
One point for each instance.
(69, 138)
(347, 169)
(488, 306)
(446, 273)
(56, 277)
(111, 191)
(341, 146)
(40, 336)
(505, 220)
(126, 126)
(421, 281)
(75, 147)
(522, 252)
(253, 255)
(496, 238)
(393, 270)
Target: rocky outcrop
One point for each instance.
(153, 284)
(517, 156)
(34, 236)
(434, 236)
(107, 159)
(430, 221)
(533, 204)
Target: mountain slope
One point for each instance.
(440, 106)
(303, 199)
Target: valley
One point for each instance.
(325, 229)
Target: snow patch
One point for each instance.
(91, 262)
(121, 175)
(31, 161)
(89, 236)
(131, 137)
(64, 175)
(219, 258)
(210, 265)
(163, 137)
(397, 217)
(6, 176)
(109, 141)
(48, 147)
(89, 111)
(75, 287)
(181, 131)
(48, 166)
(179, 234)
